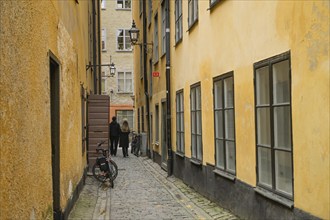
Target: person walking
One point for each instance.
(123, 139)
(114, 130)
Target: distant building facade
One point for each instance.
(249, 101)
(47, 49)
(116, 19)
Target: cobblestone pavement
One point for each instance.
(142, 190)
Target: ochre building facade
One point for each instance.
(249, 101)
(46, 47)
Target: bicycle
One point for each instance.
(136, 143)
(104, 168)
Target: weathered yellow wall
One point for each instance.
(232, 37)
(29, 29)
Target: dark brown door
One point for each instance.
(98, 122)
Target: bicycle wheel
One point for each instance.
(98, 174)
(113, 170)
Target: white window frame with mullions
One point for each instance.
(196, 123)
(274, 148)
(125, 82)
(123, 34)
(124, 4)
(224, 123)
(104, 39)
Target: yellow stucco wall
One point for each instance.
(230, 38)
(233, 36)
(29, 30)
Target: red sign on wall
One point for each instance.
(155, 74)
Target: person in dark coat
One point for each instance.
(123, 139)
(114, 130)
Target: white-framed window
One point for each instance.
(123, 40)
(224, 122)
(196, 122)
(179, 122)
(125, 82)
(156, 56)
(124, 4)
(104, 39)
(163, 8)
(273, 125)
(125, 115)
(103, 4)
(178, 20)
(192, 12)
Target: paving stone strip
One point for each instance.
(142, 190)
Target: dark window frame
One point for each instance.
(195, 135)
(191, 23)
(179, 114)
(178, 19)
(269, 63)
(221, 79)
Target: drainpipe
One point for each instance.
(145, 76)
(168, 91)
(99, 46)
(94, 47)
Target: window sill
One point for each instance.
(224, 174)
(104, 50)
(124, 51)
(286, 202)
(123, 93)
(192, 25)
(123, 9)
(196, 162)
(212, 5)
(178, 42)
(180, 154)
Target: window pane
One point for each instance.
(181, 102)
(120, 4)
(129, 85)
(263, 126)
(193, 146)
(264, 166)
(190, 11)
(218, 124)
(282, 127)
(193, 122)
(230, 156)
(181, 122)
(182, 141)
(127, 3)
(199, 147)
(199, 122)
(220, 154)
(218, 94)
(262, 86)
(195, 10)
(198, 98)
(121, 85)
(281, 88)
(229, 125)
(283, 170)
(229, 92)
(193, 98)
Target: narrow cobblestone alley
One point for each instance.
(142, 190)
